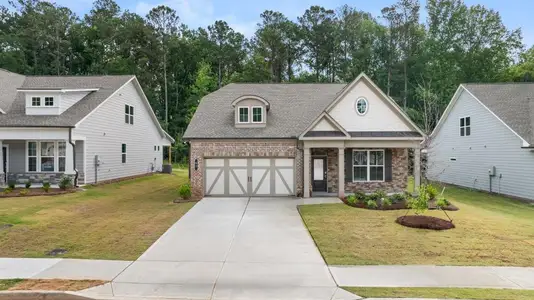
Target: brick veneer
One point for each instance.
(399, 174)
(201, 149)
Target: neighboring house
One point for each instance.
(290, 139)
(96, 127)
(485, 139)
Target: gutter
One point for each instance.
(73, 158)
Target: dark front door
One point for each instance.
(319, 174)
(4, 161)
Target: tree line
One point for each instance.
(419, 63)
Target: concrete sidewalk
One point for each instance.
(59, 268)
(434, 276)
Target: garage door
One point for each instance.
(249, 177)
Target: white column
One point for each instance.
(306, 186)
(341, 172)
(417, 169)
(69, 163)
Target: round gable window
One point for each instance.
(362, 106)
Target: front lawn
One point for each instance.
(490, 230)
(113, 221)
(47, 284)
(443, 293)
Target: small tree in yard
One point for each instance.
(420, 203)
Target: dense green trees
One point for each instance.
(419, 63)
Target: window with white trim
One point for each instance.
(123, 153)
(257, 114)
(36, 101)
(368, 165)
(361, 106)
(49, 101)
(465, 126)
(243, 114)
(46, 156)
(128, 114)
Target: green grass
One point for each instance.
(6, 284)
(490, 230)
(113, 221)
(443, 293)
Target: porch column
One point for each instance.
(417, 169)
(306, 186)
(69, 158)
(341, 172)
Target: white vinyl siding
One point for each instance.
(490, 143)
(69, 99)
(105, 131)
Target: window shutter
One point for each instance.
(348, 165)
(388, 165)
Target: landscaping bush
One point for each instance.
(185, 191)
(28, 184)
(8, 190)
(397, 198)
(371, 204)
(351, 199)
(65, 182)
(360, 196)
(46, 186)
(386, 202)
(24, 192)
(431, 191)
(11, 185)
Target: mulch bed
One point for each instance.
(180, 200)
(36, 192)
(393, 206)
(432, 205)
(424, 222)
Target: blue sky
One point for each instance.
(244, 15)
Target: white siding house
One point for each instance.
(93, 128)
(490, 155)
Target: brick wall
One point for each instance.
(201, 149)
(399, 174)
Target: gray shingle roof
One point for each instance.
(8, 88)
(15, 116)
(293, 107)
(511, 102)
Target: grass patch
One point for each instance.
(490, 230)
(114, 221)
(6, 284)
(442, 293)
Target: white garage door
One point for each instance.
(249, 177)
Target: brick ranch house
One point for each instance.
(300, 140)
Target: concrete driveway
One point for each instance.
(233, 248)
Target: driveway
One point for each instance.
(233, 248)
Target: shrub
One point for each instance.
(360, 196)
(386, 202)
(371, 204)
(397, 198)
(11, 185)
(65, 182)
(351, 199)
(24, 192)
(8, 190)
(442, 203)
(431, 191)
(46, 186)
(28, 184)
(185, 191)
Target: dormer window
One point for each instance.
(243, 114)
(49, 101)
(257, 114)
(36, 101)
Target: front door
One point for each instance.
(319, 174)
(4, 161)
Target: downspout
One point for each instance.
(73, 157)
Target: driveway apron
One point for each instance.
(232, 248)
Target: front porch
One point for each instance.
(39, 161)
(343, 167)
